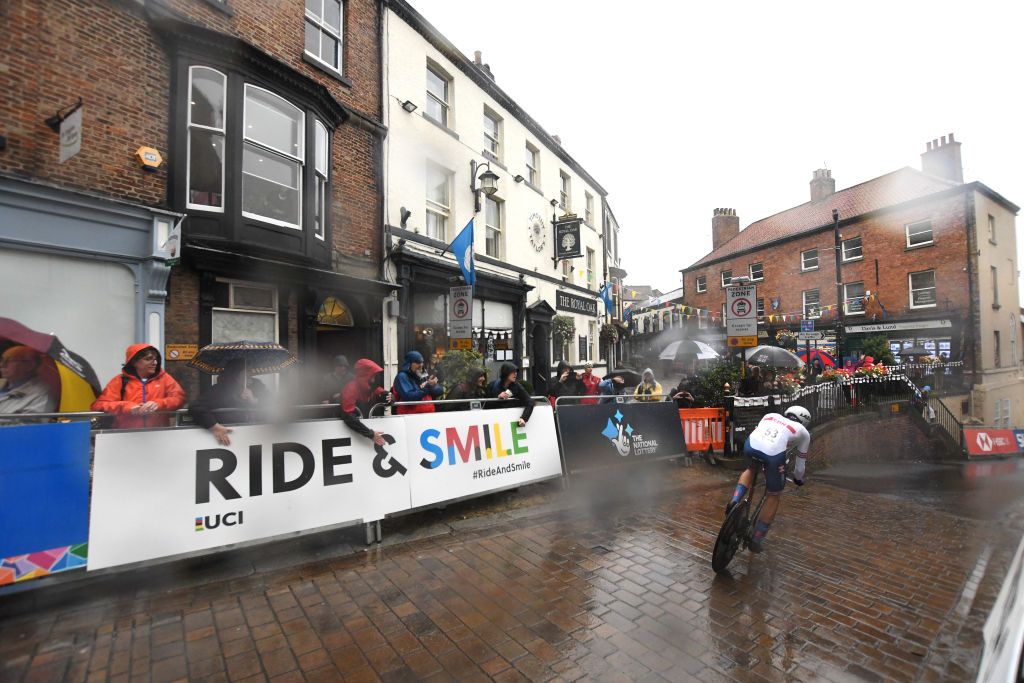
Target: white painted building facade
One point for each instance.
(445, 115)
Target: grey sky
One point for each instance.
(677, 108)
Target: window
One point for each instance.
(566, 268)
(272, 158)
(809, 259)
(853, 298)
(919, 234)
(991, 228)
(322, 166)
(565, 192)
(438, 85)
(702, 284)
(207, 95)
(812, 303)
(583, 348)
(588, 211)
(493, 222)
(760, 308)
(532, 165)
(438, 202)
(756, 271)
(922, 289)
(726, 278)
(852, 249)
(997, 350)
(995, 286)
(492, 134)
(250, 313)
(591, 280)
(323, 32)
(1001, 416)
(592, 327)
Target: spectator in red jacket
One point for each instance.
(359, 395)
(589, 381)
(142, 388)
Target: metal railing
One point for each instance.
(948, 425)
(449, 403)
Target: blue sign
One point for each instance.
(44, 487)
(807, 326)
(1018, 434)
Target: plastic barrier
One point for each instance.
(703, 428)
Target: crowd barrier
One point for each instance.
(703, 428)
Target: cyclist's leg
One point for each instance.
(775, 481)
(745, 481)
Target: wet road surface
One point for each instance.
(871, 572)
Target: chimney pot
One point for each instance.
(477, 56)
(822, 184)
(951, 137)
(724, 226)
(943, 160)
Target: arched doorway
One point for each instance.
(336, 333)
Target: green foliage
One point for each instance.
(708, 387)
(456, 364)
(526, 385)
(878, 348)
(563, 327)
(786, 339)
(609, 334)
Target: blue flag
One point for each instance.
(606, 294)
(462, 248)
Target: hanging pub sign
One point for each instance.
(576, 304)
(567, 238)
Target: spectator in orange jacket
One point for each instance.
(141, 388)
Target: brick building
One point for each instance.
(924, 259)
(269, 124)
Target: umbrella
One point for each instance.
(629, 377)
(688, 347)
(914, 351)
(774, 356)
(68, 375)
(826, 359)
(261, 358)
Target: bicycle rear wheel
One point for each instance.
(730, 536)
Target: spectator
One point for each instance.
(610, 387)
(142, 388)
(410, 385)
(23, 391)
(472, 387)
(332, 382)
(648, 389)
(235, 394)
(508, 389)
(359, 395)
(589, 382)
(567, 383)
(750, 385)
(682, 396)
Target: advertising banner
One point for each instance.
(168, 492)
(985, 441)
(467, 453)
(614, 433)
(44, 499)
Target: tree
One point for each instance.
(456, 364)
(878, 348)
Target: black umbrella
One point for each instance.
(629, 377)
(774, 356)
(914, 351)
(261, 358)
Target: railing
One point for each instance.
(949, 426)
(450, 404)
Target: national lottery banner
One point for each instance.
(167, 492)
(458, 454)
(615, 433)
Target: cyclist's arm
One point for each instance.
(802, 445)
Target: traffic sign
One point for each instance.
(460, 312)
(742, 341)
(460, 344)
(807, 326)
(741, 311)
(809, 336)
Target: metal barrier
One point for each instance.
(180, 417)
(948, 425)
(474, 404)
(703, 428)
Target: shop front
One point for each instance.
(910, 340)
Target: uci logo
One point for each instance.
(228, 519)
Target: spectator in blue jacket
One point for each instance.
(410, 385)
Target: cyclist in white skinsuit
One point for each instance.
(768, 444)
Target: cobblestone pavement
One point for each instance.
(852, 586)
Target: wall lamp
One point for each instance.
(519, 178)
(488, 181)
(409, 106)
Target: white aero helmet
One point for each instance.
(800, 414)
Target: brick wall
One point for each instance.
(884, 240)
(873, 437)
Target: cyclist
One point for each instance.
(767, 445)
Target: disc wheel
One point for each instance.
(729, 537)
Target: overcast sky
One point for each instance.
(677, 108)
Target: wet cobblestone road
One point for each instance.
(853, 586)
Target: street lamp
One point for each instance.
(488, 182)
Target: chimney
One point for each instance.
(725, 225)
(942, 159)
(478, 60)
(822, 185)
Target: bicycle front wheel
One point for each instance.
(730, 536)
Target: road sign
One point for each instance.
(809, 336)
(460, 312)
(807, 326)
(460, 344)
(742, 341)
(180, 351)
(741, 311)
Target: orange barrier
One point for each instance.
(703, 428)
